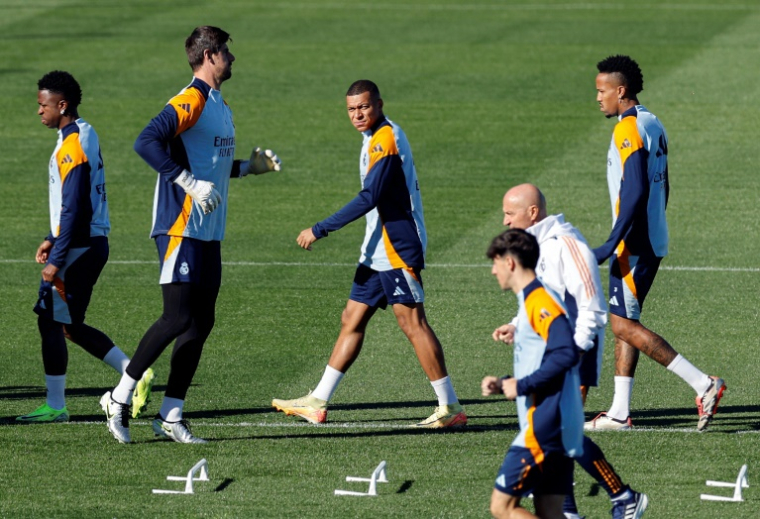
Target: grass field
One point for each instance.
(490, 94)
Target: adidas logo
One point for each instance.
(501, 481)
(185, 107)
(399, 292)
(67, 159)
(377, 149)
(613, 301)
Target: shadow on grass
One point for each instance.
(224, 484)
(406, 485)
(30, 392)
(317, 432)
(735, 416)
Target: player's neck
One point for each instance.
(627, 104)
(521, 279)
(209, 78)
(67, 120)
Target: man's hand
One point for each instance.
(306, 238)
(504, 333)
(43, 252)
(262, 161)
(201, 191)
(490, 386)
(49, 272)
(509, 388)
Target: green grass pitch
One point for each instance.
(490, 93)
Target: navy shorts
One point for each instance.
(631, 277)
(591, 363)
(187, 260)
(520, 475)
(379, 289)
(66, 299)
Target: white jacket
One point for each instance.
(568, 267)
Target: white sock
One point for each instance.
(690, 374)
(622, 496)
(328, 384)
(123, 392)
(621, 402)
(444, 391)
(117, 359)
(171, 409)
(56, 389)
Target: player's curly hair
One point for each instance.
(627, 70)
(63, 83)
(364, 85)
(517, 243)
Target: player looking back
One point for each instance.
(637, 177)
(191, 144)
(392, 258)
(76, 250)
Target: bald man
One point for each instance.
(568, 267)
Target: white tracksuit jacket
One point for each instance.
(568, 267)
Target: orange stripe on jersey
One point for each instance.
(531, 442)
(542, 309)
(627, 139)
(189, 106)
(625, 267)
(70, 155)
(180, 224)
(580, 265)
(383, 144)
(393, 257)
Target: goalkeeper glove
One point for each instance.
(201, 191)
(262, 161)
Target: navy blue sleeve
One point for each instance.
(153, 144)
(74, 203)
(633, 200)
(561, 354)
(374, 185)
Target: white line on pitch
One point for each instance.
(502, 7)
(676, 268)
(385, 425)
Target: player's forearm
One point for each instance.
(152, 145)
(362, 203)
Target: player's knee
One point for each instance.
(500, 508)
(176, 322)
(622, 328)
(204, 325)
(71, 331)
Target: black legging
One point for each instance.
(55, 354)
(188, 317)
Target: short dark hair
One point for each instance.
(63, 83)
(517, 243)
(626, 69)
(364, 85)
(201, 39)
